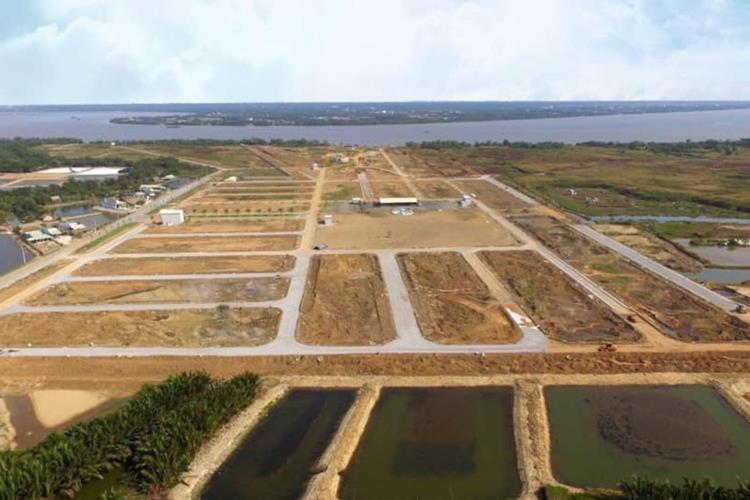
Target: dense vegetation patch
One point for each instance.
(153, 437)
(651, 489)
(29, 203)
(22, 155)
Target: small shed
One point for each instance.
(172, 216)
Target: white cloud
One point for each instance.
(270, 50)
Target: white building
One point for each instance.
(172, 216)
(328, 219)
(398, 201)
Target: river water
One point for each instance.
(662, 127)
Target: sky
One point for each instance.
(115, 51)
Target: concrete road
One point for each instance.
(223, 235)
(658, 269)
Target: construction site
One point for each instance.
(402, 301)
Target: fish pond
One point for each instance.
(277, 458)
(603, 434)
(436, 443)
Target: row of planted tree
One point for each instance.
(153, 437)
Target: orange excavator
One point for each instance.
(607, 348)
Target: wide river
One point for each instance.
(660, 127)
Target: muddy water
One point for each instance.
(276, 459)
(436, 443)
(601, 435)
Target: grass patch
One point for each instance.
(106, 237)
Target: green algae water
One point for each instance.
(603, 434)
(436, 443)
(276, 458)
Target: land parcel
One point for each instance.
(162, 291)
(447, 228)
(559, 306)
(206, 225)
(187, 265)
(218, 327)
(345, 302)
(452, 304)
(167, 245)
(675, 311)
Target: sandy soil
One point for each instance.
(391, 189)
(22, 284)
(230, 226)
(448, 228)
(345, 302)
(650, 246)
(562, 309)
(452, 303)
(7, 432)
(187, 265)
(437, 190)
(55, 407)
(207, 244)
(184, 328)
(341, 191)
(492, 196)
(162, 291)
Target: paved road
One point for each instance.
(658, 269)
(518, 194)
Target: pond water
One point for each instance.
(720, 256)
(436, 443)
(11, 254)
(276, 458)
(660, 127)
(603, 434)
(721, 276)
(84, 214)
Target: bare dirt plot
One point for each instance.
(341, 191)
(561, 308)
(674, 311)
(345, 302)
(162, 291)
(187, 265)
(245, 207)
(391, 189)
(245, 197)
(232, 188)
(447, 228)
(452, 303)
(492, 196)
(651, 246)
(208, 225)
(412, 165)
(220, 327)
(207, 244)
(437, 190)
